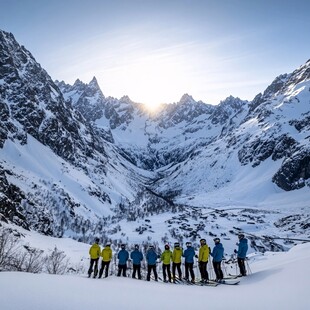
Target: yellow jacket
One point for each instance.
(177, 255)
(94, 251)
(166, 257)
(106, 254)
(203, 253)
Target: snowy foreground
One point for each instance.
(279, 281)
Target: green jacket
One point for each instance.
(203, 253)
(177, 255)
(94, 251)
(166, 257)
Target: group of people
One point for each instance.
(167, 257)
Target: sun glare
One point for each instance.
(151, 80)
(154, 81)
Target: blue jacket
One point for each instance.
(217, 252)
(242, 248)
(189, 254)
(122, 256)
(151, 257)
(136, 257)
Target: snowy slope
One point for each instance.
(278, 281)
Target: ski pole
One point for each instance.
(224, 267)
(211, 270)
(249, 271)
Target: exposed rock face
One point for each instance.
(159, 157)
(29, 96)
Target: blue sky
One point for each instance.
(155, 51)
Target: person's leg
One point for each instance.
(169, 272)
(164, 272)
(190, 266)
(204, 273)
(96, 267)
(90, 270)
(173, 270)
(107, 264)
(241, 266)
(155, 272)
(124, 270)
(215, 267)
(179, 270)
(139, 271)
(221, 275)
(186, 271)
(101, 269)
(134, 268)
(149, 269)
(119, 270)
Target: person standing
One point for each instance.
(203, 258)
(106, 259)
(122, 256)
(176, 260)
(136, 256)
(166, 258)
(217, 254)
(241, 254)
(189, 254)
(94, 253)
(151, 259)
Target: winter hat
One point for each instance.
(167, 247)
(137, 246)
(123, 246)
(217, 240)
(97, 240)
(240, 236)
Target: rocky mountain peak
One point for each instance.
(186, 99)
(94, 84)
(189, 149)
(126, 99)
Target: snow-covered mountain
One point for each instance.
(76, 163)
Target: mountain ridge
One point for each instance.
(110, 161)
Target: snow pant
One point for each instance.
(166, 270)
(90, 270)
(203, 270)
(178, 267)
(136, 269)
(104, 265)
(122, 270)
(218, 270)
(241, 266)
(151, 268)
(189, 269)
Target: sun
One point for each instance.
(153, 80)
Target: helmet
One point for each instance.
(203, 241)
(167, 247)
(176, 244)
(188, 243)
(217, 240)
(240, 236)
